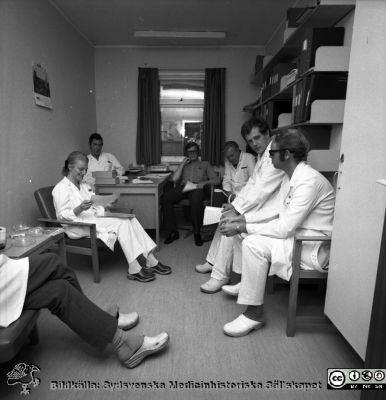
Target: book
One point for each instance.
(104, 174)
(106, 181)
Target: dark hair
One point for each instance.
(295, 142)
(232, 144)
(192, 144)
(255, 122)
(71, 159)
(95, 136)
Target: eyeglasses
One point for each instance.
(192, 151)
(272, 152)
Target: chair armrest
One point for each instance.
(65, 221)
(315, 238)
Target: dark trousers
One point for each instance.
(55, 286)
(196, 198)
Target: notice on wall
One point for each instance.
(41, 86)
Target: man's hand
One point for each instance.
(185, 161)
(227, 207)
(232, 229)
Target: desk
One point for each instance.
(143, 198)
(41, 244)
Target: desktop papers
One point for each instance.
(212, 215)
(104, 200)
(189, 186)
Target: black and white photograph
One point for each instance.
(193, 199)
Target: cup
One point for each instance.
(3, 237)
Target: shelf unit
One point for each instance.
(328, 59)
(323, 15)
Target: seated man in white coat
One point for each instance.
(99, 160)
(260, 189)
(307, 206)
(239, 167)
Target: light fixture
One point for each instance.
(180, 34)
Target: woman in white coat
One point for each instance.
(72, 201)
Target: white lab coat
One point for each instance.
(236, 178)
(266, 179)
(306, 205)
(13, 288)
(106, 162)
(132, 237)
(259, 195)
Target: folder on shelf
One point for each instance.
(314, 38)
(322, 86)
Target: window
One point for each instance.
(182, 108)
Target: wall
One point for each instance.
(116, 72)
(34, 141)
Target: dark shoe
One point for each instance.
(172, 237)
(150, 345)
(197, 239)
(141, 276)
(161, 269)
(147, 271)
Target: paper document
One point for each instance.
(189, 186)
(104, 200)
(137, 180)
(212, 215)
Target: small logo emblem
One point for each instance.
(367, 375)
(336, 378)
(23, 374)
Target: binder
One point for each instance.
(314, 38)
(278, 71)
(298, 100)
(323, 86)
(274, 109)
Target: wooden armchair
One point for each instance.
(86, 246)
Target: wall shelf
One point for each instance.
(323, 15)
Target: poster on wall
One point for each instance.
(41, 86)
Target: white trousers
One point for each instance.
(256, 256)
(131, 236)
(259, 251)
(225, 259)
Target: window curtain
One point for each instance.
(214, 116)
(149, 117)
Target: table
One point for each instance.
(42, 243)
(143, 198)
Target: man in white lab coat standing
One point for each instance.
(306, 205)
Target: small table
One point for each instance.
(41, 243)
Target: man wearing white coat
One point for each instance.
(260, 189)
(307, 206)
(239, 167)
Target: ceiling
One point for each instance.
(113, 22)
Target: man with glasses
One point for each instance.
(192, 178)
(306, 206)
(258, 195)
